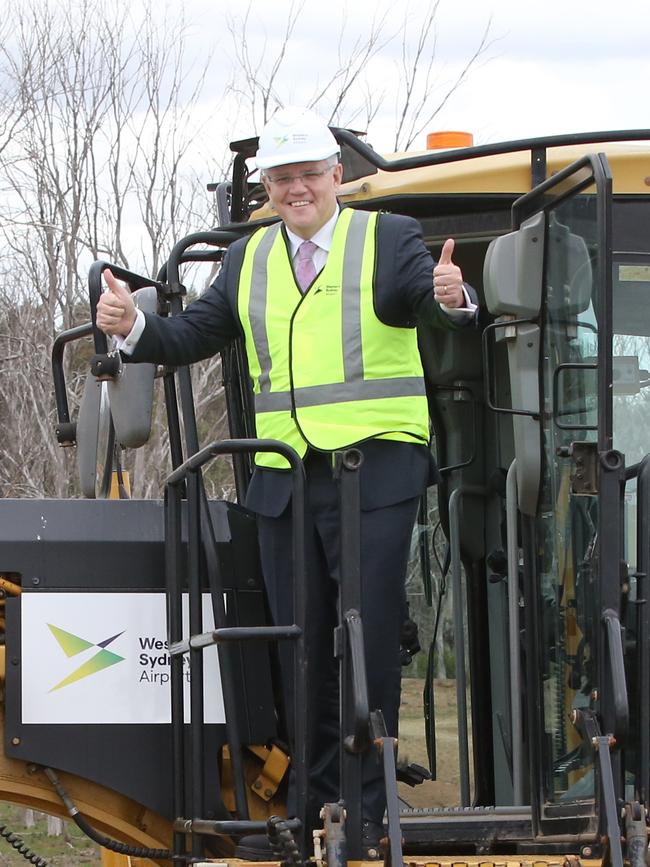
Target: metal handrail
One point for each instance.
(616, 662)
(360, 740)
(433, 158)
(488, 367)
(460, 154)
(643, 624)
(189, 474)
(516, 726)
(65, 429)
(459, 633)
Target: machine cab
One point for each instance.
(527, 684)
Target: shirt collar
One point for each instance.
(322, 238)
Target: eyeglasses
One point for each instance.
(307, 178)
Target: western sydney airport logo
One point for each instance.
(153, 660)
(73, 645)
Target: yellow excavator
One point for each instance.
(140, 695)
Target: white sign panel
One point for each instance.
(102, 658)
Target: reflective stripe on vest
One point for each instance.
(326, 371)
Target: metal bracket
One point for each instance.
(171, 290)
(107, 366)
(333, 816)
(275, 767)
(585, 470)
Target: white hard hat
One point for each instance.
(294, 135)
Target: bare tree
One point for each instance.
(347, 93)
(98, 119)
(100, 129)
(420, 96)
(256, 86)
(261, 74)
(170, 201)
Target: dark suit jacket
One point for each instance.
(403, 295)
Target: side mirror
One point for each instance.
(114, 412)
(513, 271)
(513, 281)
(569, 278)
(131, 393)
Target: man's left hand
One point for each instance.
(448, 279)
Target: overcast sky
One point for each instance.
(557, 66)
(553, 66)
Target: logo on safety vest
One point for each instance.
(72, 645)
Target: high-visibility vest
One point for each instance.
(326, 372)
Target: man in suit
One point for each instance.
(329, 331)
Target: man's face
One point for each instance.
(304, 194)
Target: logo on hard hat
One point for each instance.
(72, 644)
(280, 140)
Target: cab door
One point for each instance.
(549, 286)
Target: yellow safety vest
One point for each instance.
(326, 372)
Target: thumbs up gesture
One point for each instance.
(116, 311)
(448, 278)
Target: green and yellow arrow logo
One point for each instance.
(72, 644)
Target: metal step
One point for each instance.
(477, 826)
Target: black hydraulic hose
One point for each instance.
(19, 845)
(102, 839)
(282, 841)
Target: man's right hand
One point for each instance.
(116, 312)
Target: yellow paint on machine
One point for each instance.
(113, 860)
(501, 174)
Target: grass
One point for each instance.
(70, 848)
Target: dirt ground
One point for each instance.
(445, 790)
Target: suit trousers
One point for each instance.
(385, 545)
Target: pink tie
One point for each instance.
(305, 268)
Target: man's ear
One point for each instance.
(267, 187)
(337, 174)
